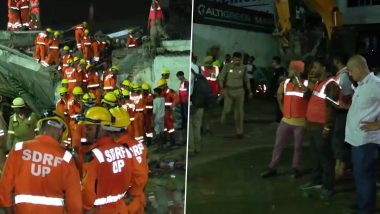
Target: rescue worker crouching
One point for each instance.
(107, 178)
(40, 174)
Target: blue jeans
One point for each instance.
(363, 161)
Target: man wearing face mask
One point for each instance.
(39, 175)
(233, 83)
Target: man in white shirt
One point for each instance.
(363, 132)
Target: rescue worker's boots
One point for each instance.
(172, 139)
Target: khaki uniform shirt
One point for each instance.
(234, 77)
(21, 129)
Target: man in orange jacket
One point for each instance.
(86, 46)
(40, 46)
(61, 104)
(53, 46)
(136, 97)
(93, 82)
(79, 33)
(74, 107)
(39, 175)
(109, 79)
(148, 97)
(110, 169)
(34, 15)
(139, 151)
(171, 100)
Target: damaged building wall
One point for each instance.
(205, 36)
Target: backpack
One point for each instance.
(202, 95)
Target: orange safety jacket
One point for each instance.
(171, 98)
(107, 162)
(316, 110)
(40, 177)
(183, 91)
(294, 103)
(212, 77)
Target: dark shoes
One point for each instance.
(269, 173)
(296, 174)
(240, 136)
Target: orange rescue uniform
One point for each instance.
(129, 106)
(72, 75)
(79, 33)
(14, 22)
(93, 85)
(25, 12)
(109, 82)
(109, 173)
(171, 99)
(139, 152)
(148, 115)
(53, 56)
(86, 48)
(40, 46)
(139, 115)
(40, 177)
(76, 130)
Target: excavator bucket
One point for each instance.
(283, 13)
(329, 12)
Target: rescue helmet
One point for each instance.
(135, 87)
(62, 90)
(82, 62)
(131, 30)
(145, 86)
(115, 68)
(161, 82)
(55, 119)
(121, 117)
(70, 61)
(89, 99)
(49, 30)
(76, 58)
(89, 66)
(77, 90)
(18, 102)
(97, 115)
(66, 48)
(110, 98)
(217, 63)
(65, 81)
(126, 83)
(118, 93)
(56, 33)
(208, 60)
(86, 32)
(165, 71)
(125, 92)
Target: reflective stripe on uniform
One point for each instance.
(93, 85)
(293, 93)
(168, 104)
(171, 130)
(98, 155)
(18, 146)
(53, 47)
(139, 109)
(67, 157)
(24, 7)
(41, 43)
(1, 132)
(109, 199)
(149, 107)
(11, 132)
(42, 200)
(107, 87)
(71, 81)
(149, 134)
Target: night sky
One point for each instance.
(65, 13)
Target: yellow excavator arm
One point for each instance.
(327, 9)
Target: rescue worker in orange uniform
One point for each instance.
(66, 56)
(136, 97)
(95, 50)
(74, 107)
(183, 97)
(319, 126)
(139, 151)
(171, 100)
(211, 73)
(93, 83)
(71, 74)
(109, 79)
(148, 97)
(86, 46)
(34, 15)
(79, 33)
(131, 41)
(82, 73)
(14, 22)
(53, 46)
(126, 84)
(41, 45)
(61, 104)
(23, 5)
(129, 106)
(107, 178)
(39, 175)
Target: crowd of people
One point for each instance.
(23, 15)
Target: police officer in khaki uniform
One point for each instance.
(233, 82)
(22, 124)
